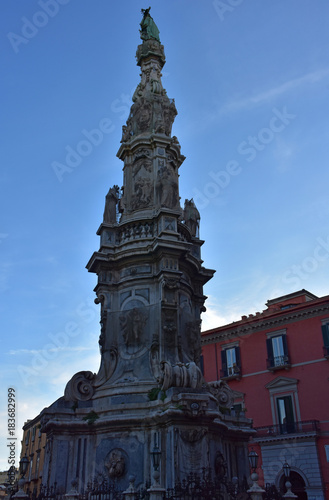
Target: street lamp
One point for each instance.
(286, 470)
(256, 492)
(155, 491)
(23, 465)
(253, 460)
(156, 456)
(289, 495)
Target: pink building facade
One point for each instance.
(277, 364)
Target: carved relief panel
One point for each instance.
(142, 183)
(167, 185)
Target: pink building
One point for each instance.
(276, 362)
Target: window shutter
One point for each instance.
(285, 346)
(224, 363)
(269, 349)
(237, 356)
(325, 334)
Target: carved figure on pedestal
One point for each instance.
(122, 201)
(126, 133)
(158, 121)
(143, 116)
(167, 188)
(191, 217)
(169, 113)
(220, 465)
(154, 358)
(132, 325)
(111, 200)
(143, 194)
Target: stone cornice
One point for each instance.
(275, 320)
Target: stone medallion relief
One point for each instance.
(115, 463)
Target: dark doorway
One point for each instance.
(297, 485)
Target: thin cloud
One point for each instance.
(212, 318)
(269, 94)
(15, 352)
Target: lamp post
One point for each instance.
(23, 466)
(253, 460)
(156, 492)
(156, 456)
(256, 492)
(286, 471)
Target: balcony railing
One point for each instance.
(231, 372)
(278, 362)
(305, 427)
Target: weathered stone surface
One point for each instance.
(150, 291)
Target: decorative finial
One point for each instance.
(149, 28)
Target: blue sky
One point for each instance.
(251, 85)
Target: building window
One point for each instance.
(37, 464)
(277, 352)
(285, 408)
(325, 335)
(27, 437)
(231, 364)
(326, 449)
(30, 469)
(286, 417)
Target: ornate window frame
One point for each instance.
(280, 387)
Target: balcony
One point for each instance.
(306, 428)
(232, 372)
(278, 363)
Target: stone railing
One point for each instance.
(135, 231)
